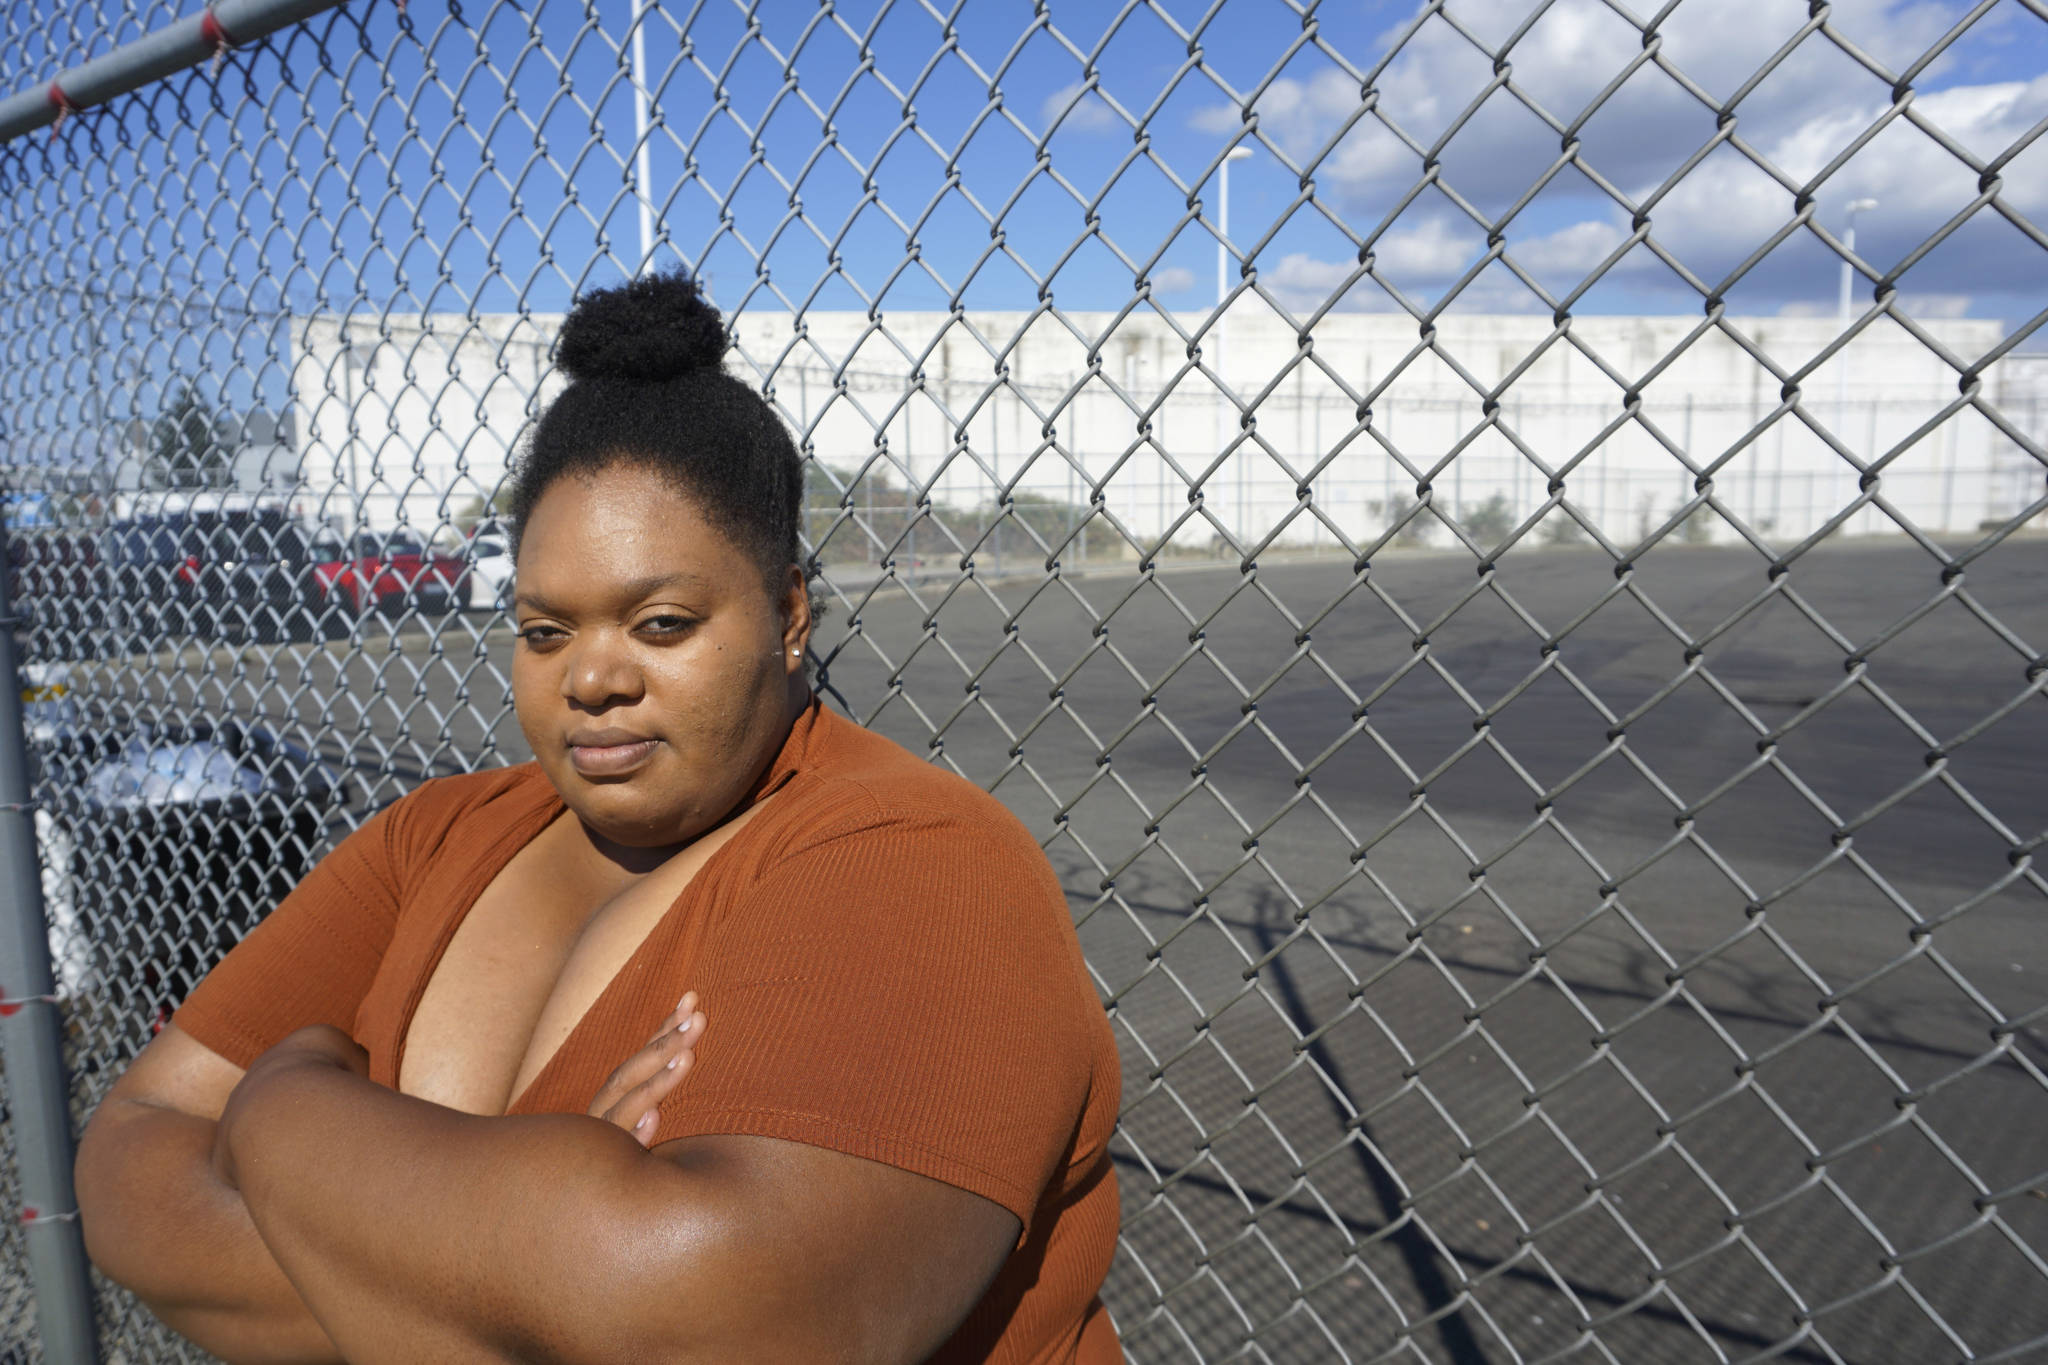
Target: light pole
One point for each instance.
(351, 361)
(1223, 289)
(1855, 206)
(642, 176)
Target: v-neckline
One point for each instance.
(528, 828)
(653, 940)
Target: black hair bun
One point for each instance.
(655, 328)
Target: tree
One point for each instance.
(1486, 522)
(881, 512)
(186, 450)
(1558, 528)
(1698, 526)
(886, 514)
(476, 511)
(1052, 519)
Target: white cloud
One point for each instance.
(1726, 208)
(1424, 259)
(1173, 279)
(1801, 118)
(1302, 275)
(1220, 119)
(1429, 252)
(1091, 114)
(1572, 251)
(1298, 115)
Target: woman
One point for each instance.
(394, 1124)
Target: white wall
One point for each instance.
(442, 402)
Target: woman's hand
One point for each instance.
(320, 1045)
(631, 1094)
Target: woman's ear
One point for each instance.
(796, 617)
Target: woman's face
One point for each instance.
(655, 674)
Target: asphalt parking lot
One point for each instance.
(1487, 964)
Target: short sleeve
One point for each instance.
(906, 989)
(311, 960)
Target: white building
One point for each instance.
(962, 405)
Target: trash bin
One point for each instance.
(181, 842)
(57, 739)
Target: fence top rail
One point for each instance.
(186, 43)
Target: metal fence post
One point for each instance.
(30, 1039)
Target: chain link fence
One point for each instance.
(1535, 700)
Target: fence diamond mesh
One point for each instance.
(1535, 699)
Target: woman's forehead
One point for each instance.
(625, 525)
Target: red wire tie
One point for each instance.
(61, 102)
(10, 1005)
(31, 1215)
(212, 30)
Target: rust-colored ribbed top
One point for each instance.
(874, 888)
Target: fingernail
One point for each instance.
(670, 1065)
(645, 1119)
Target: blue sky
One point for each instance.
(462, 153)
(1985, 91)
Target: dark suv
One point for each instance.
(236, 572)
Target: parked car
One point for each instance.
(51, 564)
(150, 578)
(203, 570)
(171, 847)
(53, 584)
(384, 571)
(490, 564)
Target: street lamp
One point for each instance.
(642, 176)
(1222, 289)
(1855, 207)
(1223, 219)
(351, 361)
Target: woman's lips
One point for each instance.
(610, 760)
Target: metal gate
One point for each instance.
(1530, 669)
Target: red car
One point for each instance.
(387, 571)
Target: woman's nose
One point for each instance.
(600, 671)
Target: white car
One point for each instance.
(490, 565)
